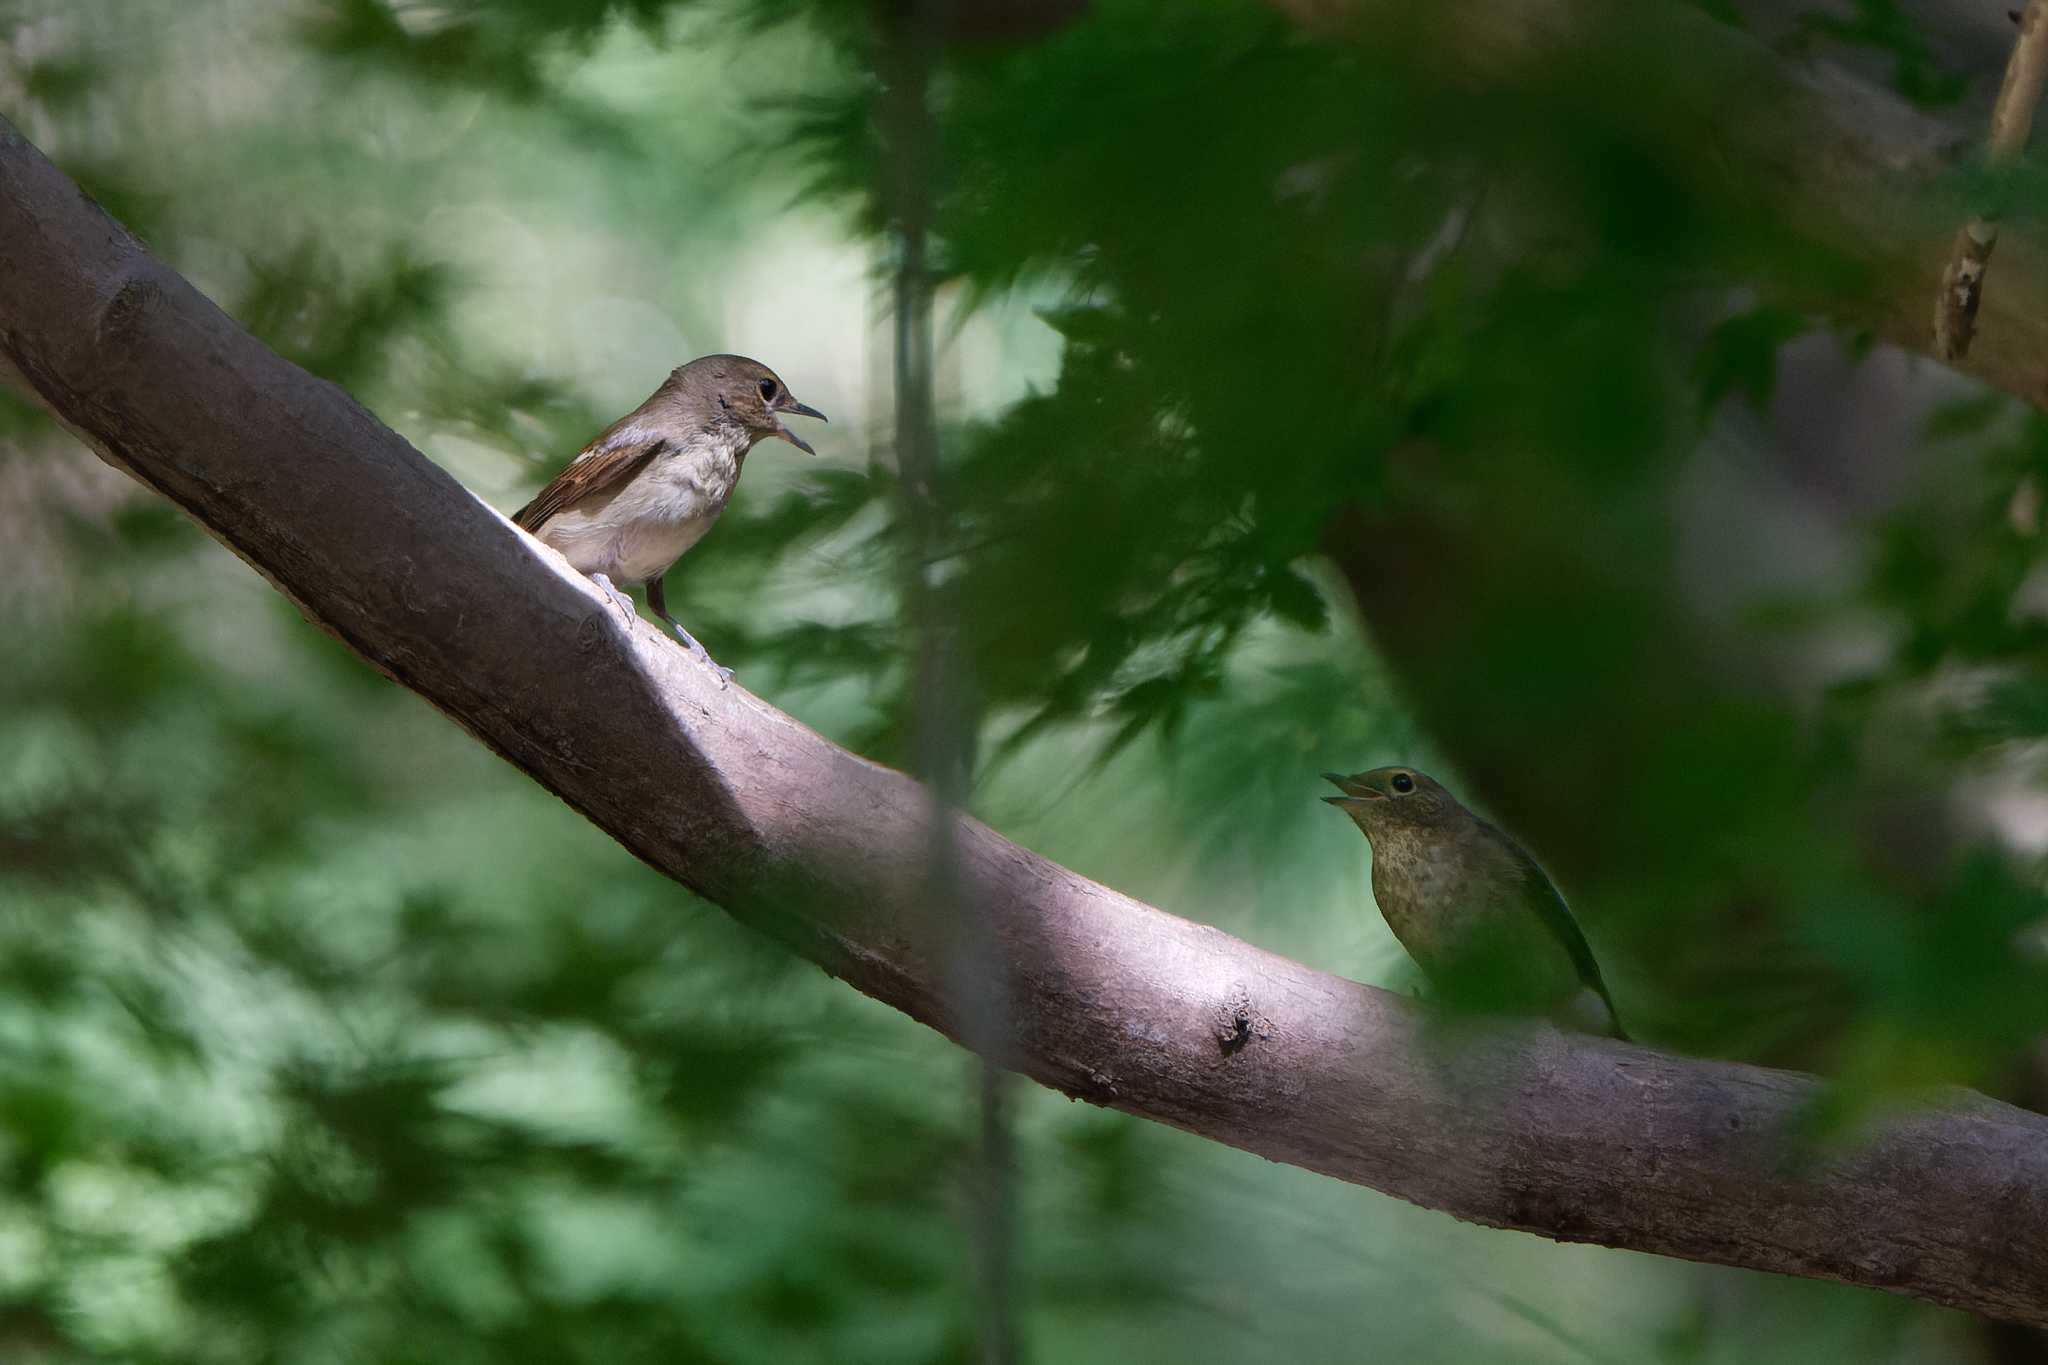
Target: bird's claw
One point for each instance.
(619, 599)
(696, 647)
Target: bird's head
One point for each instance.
(734, 390)
(1391, 798)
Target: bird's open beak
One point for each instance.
(1354, 790)
(796, 409)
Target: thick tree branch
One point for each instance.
(1575, 1138)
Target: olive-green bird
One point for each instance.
(1470, 906)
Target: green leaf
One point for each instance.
(1741, 356)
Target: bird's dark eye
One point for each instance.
(768, 389)
(1403, 783)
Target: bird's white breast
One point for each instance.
(634, 531)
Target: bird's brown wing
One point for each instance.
(608, 461)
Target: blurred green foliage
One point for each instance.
(1885, 27)
(1308, 408)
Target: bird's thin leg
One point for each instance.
(659, 606)
(619, 599)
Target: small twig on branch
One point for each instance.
(2012, 118)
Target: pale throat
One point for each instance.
(726, 434)
(706, 466)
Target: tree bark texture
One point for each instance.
(1112, 1001)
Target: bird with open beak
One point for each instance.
(649, 487)
(1471, 907)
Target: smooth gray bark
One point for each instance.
(1110, 1000)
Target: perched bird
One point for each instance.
(1470, 906)
(651, 484)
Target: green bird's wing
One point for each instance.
(1542, 896)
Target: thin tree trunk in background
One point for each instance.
(943, 723)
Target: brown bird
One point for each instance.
(1471, 907)
(649, 487)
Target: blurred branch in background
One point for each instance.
(1111, 1000)
(2012, 117)
(1844, 162)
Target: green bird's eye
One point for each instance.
(1403, 783)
